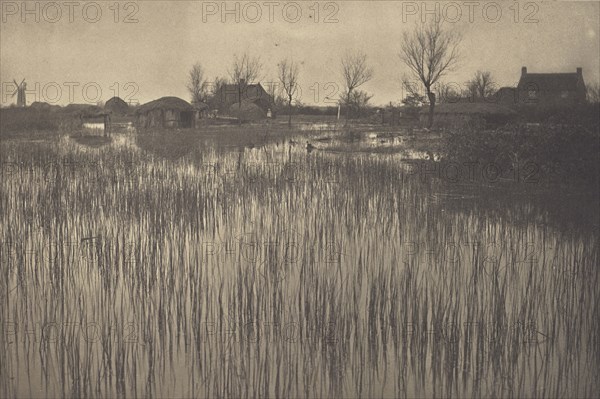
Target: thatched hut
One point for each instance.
(166, 112)
(117, 106)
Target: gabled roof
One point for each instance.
(549, 81)
(251, 91)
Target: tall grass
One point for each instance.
(272, 272)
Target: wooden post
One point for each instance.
(106, 125)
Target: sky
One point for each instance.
(85, 51)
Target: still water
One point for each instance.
(273, 272)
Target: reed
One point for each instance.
(216, 271)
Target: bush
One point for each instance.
(583, 114)
(559, 152)
(16, 120)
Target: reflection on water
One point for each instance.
(89, 125)
(318, 126)
(178, 270)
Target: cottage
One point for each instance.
(551, 89)
(468, 113)
(166, 112)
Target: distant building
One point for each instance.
(166, 112)
(230, 94)
(551, 89)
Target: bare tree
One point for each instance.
(215, 97)
(217, 84)
(277, 94)
(197, 85)
(430, 52)
(359, 101)
(447, 92)
(356, 72)
(244, 70)
(482, 85)
(288, 72)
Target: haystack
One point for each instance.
(117, 106)
(247, 112)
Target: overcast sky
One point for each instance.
(156, 52)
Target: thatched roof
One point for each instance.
(117, 105)
(171, 103)
(470, 108)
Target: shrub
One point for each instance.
(559, 152)
(15, 120)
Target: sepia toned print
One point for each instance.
(299, 199)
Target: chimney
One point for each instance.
(579, 71)
(242, 82)
(523, 71)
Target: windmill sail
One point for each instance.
(20, 92)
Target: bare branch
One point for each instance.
(355, 70)
(245, 69)
(482, 85)
(430, 53)
(197, 84)
(288, 72)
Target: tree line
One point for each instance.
(428, 52)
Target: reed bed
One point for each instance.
(273, 272)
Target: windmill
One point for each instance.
(20, 93)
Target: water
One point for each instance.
(94, 127)
(173, 269)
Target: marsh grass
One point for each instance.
(219, 270)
